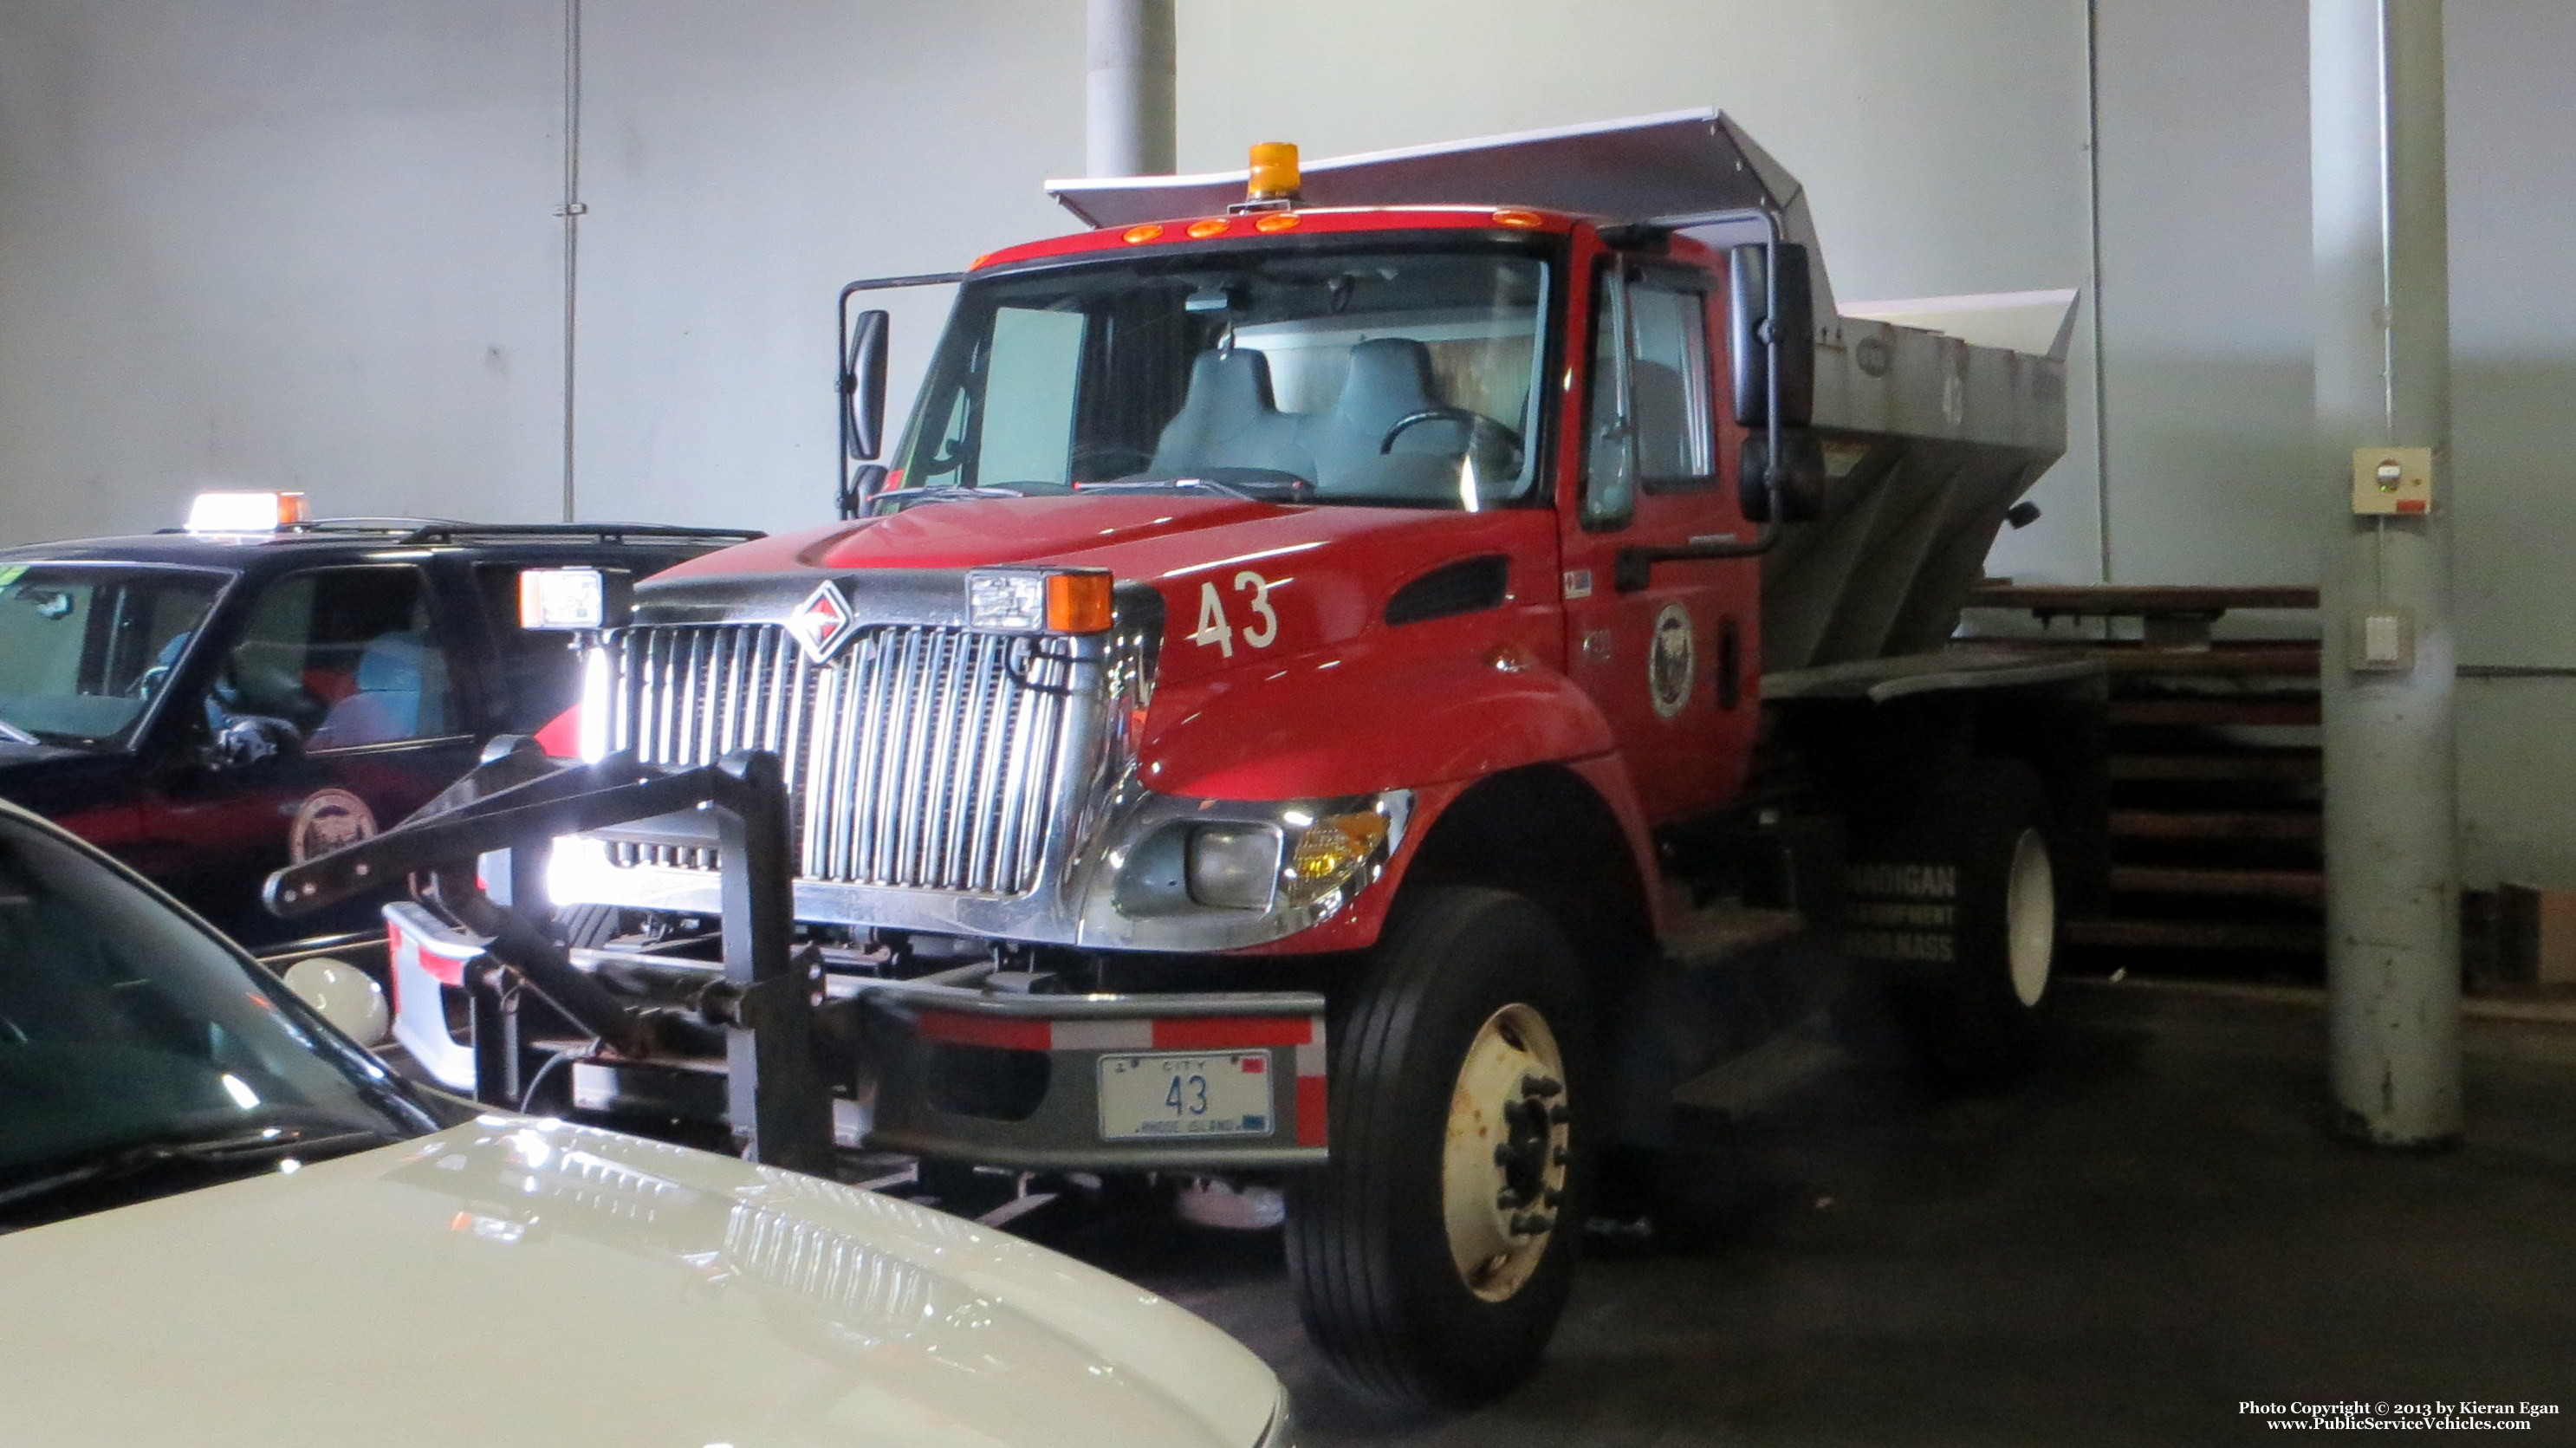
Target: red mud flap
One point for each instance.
(1099, 1083)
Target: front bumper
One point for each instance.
(943, 1068)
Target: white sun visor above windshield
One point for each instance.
(1643, 167)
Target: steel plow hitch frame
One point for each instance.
(516, 801)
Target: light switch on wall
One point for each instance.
(2386, 643)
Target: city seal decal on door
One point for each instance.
(327, 820)
(1671, 661)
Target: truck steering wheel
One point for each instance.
(1477, 424)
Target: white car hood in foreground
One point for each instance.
(528, 1282)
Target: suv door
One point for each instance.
(1666, 662)
(336, 709)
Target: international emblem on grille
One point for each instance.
(821, 621)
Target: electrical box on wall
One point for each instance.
(2392, 480)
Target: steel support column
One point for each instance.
(2383, 380)
(1127, 88)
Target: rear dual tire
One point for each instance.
(1981, 1015)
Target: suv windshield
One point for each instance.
(84, 647)
(139, 1055)
(1393, 377)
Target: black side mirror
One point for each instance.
(1801, 481)
(250, 739)
(1756, 337)
(863, 385)
(861, 485)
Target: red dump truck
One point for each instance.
(1332, 657)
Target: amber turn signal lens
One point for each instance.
(1204, 229)
(1277, 221)
(1331, 851)
(1518, 218)
(1077, 603)
(1146, 232)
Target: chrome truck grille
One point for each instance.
(920, 757)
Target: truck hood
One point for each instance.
(1323, 572)
(523, 1282)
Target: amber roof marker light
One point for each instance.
(1274, 183)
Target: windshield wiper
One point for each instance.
(1271, 487)
(253, 1149)
(16, 735)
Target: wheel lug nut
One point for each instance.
(1551, 1199)
(1541, 1086)
(1503, 1153)
(1559, 1157)
(1560, 1113)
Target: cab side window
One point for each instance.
(1649, 408)
(348, 656)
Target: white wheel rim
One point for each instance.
(1502, 1169)
(2030, 917)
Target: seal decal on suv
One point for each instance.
(327, 820)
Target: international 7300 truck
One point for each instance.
(1331, 651)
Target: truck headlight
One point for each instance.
(1234, 866)
(1006, 602)
(1214, 859)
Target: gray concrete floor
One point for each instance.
(2150, 1230)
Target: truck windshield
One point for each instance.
(1392, 377)
(84, 647)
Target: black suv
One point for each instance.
(209, 707)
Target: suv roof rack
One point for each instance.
(438, 531)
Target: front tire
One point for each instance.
(1433, 1255)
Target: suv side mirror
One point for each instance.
(863, 385)
(1755, 336)
(342, 995)
(249, 739)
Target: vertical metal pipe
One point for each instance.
(1127, 88)
(571, 211)
(2383, 380)
(2093, 208)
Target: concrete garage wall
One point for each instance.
(311, 243)
(281, 243)
(2513, 419)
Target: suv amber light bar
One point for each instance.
(245, 512)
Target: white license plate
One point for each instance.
(1185, 1094)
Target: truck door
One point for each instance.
(346, 673)
(1669, 661)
